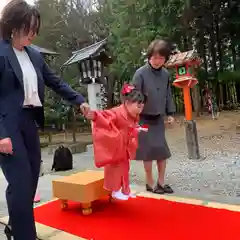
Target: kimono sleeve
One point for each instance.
(107, 140)
(133, 143)
(170, 105)
(103, 119)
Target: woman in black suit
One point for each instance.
(23, 76)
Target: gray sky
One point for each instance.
(4, 2)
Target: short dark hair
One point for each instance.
(161, 47)
(18, 15)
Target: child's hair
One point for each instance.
(131, 94)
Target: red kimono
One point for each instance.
(115, 143)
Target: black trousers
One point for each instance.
(21, 171)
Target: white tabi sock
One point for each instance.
(119, 195)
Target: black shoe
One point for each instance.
(168, 189)
(8, 232)
(148, 188)
(159, 189)
(165, 189)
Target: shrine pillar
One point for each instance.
(94, 93)
(185, 64)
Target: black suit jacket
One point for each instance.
(12, 88)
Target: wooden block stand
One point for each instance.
(84, 187)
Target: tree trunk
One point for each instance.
(234, 57)
(223, 87)
(196, 100)
(218, 87)
(202, 50)
(110, 84)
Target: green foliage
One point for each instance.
(132, 26)
(210, 27)
(65, 27)
(229, 76)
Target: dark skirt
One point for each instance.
(152, 145)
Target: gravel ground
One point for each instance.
(215, 177)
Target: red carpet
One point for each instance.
(142, 219)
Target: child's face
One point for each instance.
(134, 108)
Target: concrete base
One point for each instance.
(192, 140)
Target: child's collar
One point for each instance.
(126, 113)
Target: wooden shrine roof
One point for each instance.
(44, 51)
(182, 58)
(85, 53)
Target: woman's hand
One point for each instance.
(84, 107)
(6, 146)
(170, 120)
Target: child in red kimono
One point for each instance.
(115, 140)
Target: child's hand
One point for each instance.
(143, 128)
(90, 115)
(170, 120)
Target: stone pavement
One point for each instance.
(217, 178)
(48, 233)
(214, 179)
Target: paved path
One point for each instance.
(216, 178)
(48, 233)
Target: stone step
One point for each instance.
(74, 147)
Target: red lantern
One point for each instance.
(185, 76)
(185, 64)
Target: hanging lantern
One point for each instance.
(185, 64)
(91, 71)
(185, 76)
